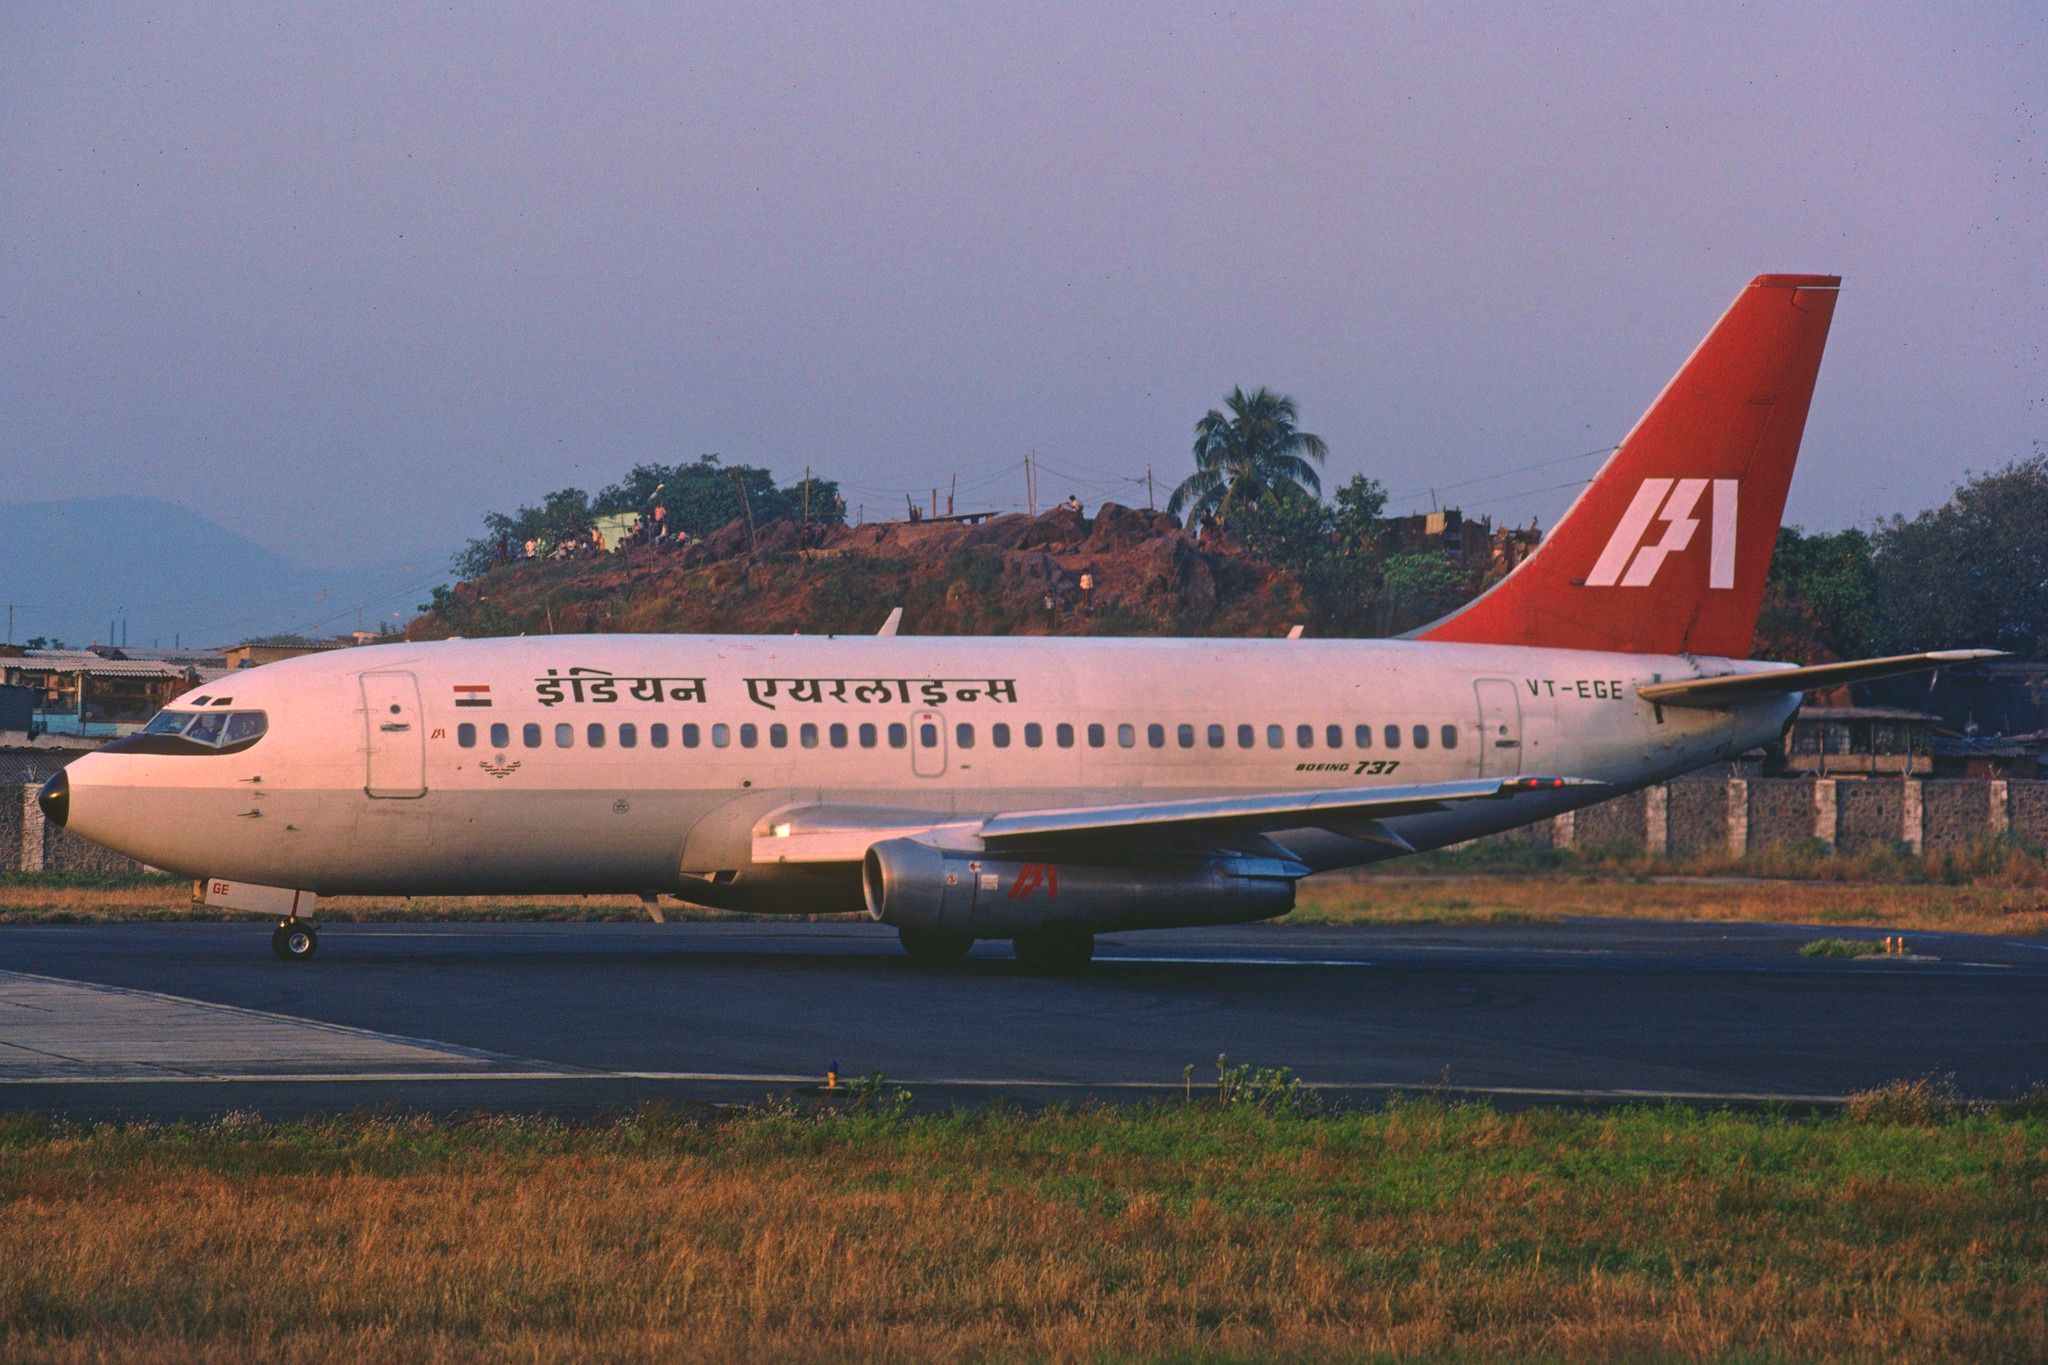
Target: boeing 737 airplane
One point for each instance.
(1035, 790)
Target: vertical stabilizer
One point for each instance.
(1667, 550)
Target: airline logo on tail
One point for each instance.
(1632, 560)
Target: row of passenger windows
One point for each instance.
(1000, 735)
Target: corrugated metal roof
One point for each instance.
(83, 661)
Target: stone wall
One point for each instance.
(2029, 812)
(1697, 818)
(1781, 812)
(1954, 814)
(1869, 815)
(1613, 823)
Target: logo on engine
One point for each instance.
(1671, 501)
(1033, 877)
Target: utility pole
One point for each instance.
(807, 499)
(13, 607)
(1148, 487)
(935, 500)
(951, 488)
(746, 505)
(1031, 481)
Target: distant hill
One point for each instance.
(71, 564)
(1122, 572)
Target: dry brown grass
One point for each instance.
(1536, 897)
(1422, 1230)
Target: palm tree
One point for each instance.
(1255, 456)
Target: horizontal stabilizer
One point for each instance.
(1731, 689)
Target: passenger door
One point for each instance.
(397, 741)
(928, 744)
(1500, 728)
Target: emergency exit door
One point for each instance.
(397, 749)
(1500, 728)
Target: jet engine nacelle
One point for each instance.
(912, 885)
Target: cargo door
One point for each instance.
(1500, 728)
(928, 744)
(397, 738)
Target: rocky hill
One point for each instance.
(1122, 572)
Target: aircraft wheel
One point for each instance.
(295, 942)
(935, 947)
(1054, 952)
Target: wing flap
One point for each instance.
(829, 833)
(1732, 689)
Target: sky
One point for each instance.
(346, 277)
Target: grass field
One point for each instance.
(1902, 1227)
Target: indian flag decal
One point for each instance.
(472, 694)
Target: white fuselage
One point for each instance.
(365, 779)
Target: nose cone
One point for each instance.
(55, 799)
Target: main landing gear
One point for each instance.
(295, 940)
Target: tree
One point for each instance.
(564, 514)
(1820, 603)
(1255, 456)
(1973, 571)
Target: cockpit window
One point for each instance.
(212, 729)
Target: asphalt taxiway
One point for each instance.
(193, 1019)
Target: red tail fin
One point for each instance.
(1667, 550)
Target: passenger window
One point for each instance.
(836, 734)
(1245, 737)
(1305, 736)
(899, 735)
(1392, 735)
(1215, 736)
(1126, 735)
(1063, 735)
(1422, 736)
(927, 735)
(721, 735)
(594, 734)
(750, 735)
(1186, 735)
(963, 735)
(690, 735)
(999, 735)
(867, 735)
(1362, 736)
(1095, 735)
(565, 735)
(1034, 734)
(1450, 736)
(529, 735)
(501, 735)
(807, 735)
(465, 735)
(1275, 736)
(629, 734)
(657, 735)
(778, 735)
(1334, 735)
(1155, 735)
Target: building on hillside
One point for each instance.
(1471, 542)
(83, 694)
(269, 649)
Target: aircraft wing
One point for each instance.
(1730, 689)
(825, 833)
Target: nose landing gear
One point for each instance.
(295, 940)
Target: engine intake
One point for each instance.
(912, 885)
